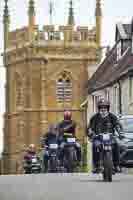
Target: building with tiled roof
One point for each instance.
(114, 77)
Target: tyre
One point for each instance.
(107, 163)
(71, 160)
(53, 164)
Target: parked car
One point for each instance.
(126, 144)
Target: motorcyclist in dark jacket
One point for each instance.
(105, 121)
(49, 138)
(67, 127)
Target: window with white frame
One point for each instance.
(119, 50)
(131, 89)
(107, 94)
(64, 88)
(132, 45)
(116, 99)
(96, 98)
(93, 102)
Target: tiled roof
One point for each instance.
(127, 28)
(123, 30)
(109, 71)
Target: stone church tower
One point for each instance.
(46, 73)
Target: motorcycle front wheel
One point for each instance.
(107, 164)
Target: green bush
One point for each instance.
(84, 167)
(84, 163)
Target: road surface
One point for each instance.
(65, 187)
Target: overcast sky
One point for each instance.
(113, 12)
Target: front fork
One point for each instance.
(102, 154)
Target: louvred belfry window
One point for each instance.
(64, 88)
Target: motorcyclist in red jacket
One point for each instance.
(67, 127)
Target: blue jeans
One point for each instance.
(45, 160)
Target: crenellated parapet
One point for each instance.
(79, 33)
(51, 34)
(64, 36)
(18, 37)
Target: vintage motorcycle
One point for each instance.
(53, 162)
(70, 154)
(103, 147)
(32, 166)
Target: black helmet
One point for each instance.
(103, 103)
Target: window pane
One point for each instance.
(64, 89)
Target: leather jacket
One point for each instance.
(49, 138)
(100, 125)
(67, 126)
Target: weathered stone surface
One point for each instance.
(33, 71)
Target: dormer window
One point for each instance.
(115, 98)
(119, 50)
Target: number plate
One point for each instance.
(53, 146)
(34, 160)
(97, 143)
(71, 140)
(107, 147)
(106, 137)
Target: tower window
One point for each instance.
(64, 89)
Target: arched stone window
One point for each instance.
(64, 88)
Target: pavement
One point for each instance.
(77, 186)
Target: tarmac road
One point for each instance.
(65, 187)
